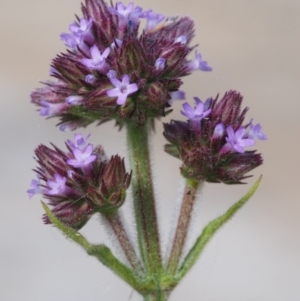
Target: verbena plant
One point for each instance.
(113, 70)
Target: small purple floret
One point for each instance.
(198, 64)
(236, 139)
(197, 113)
(97, 60)
(122, 89)
(51, 109)
(35, 188)
(160, 64)
(255, 132)
(153, 19)
(90, 78)
(82, 158)
(81, 28)
(219, 131)
(74, 100)
(79, 142)
(56, 186)
(177, 95)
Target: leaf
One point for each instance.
(210, 230)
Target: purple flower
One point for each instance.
(126, 14)
(176, 95)
(111, 74)
(97, 60)
(206, 104)
(74, 100)
(122, 89)
(198, 63)
(90, 78)
(218, 131)
(197, 113)
(236, 139)
(79, 142)
(51, 109)
(81, 28)
(153, 19)
(56, 186)
(68, 126)
(83, 158)
(181, 39)
(35, 188)
(254, 131)
(70, 40)
(160, 64)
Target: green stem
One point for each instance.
(143, 197)
(116, 225)
(184, 220)
(102, 252)
(210, 230)
(156, 296)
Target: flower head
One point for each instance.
(79, 182)
(111, 59)
(214, 150)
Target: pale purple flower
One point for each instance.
(236, 139)
(176, 95)
(111, 74)
(181, 39)
(219, 131)
(34, 188)
(127, 15)
(82, 158)
(198, 64)
(68, 126)
(74, 100)
(97, 60)
(90, 78)
(79, 142)
(83, 27)
(153, 19)
(197, 113)
(122, 89)
(254, 131)
(160, 64)
(206, 104)
(51, 109)
(56, 186)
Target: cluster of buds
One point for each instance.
(111, 71)
(211, 143)
(80, 182)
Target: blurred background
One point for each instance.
(253, 47)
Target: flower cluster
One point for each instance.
(211, 144)
(110, 71)
(80, 182)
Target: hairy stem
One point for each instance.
(210, 230)
(184, 220)
(116, 225)
(102, 252)
(143, 197)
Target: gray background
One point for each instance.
(253, 47)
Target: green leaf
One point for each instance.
(210, 230)
(102, 252)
